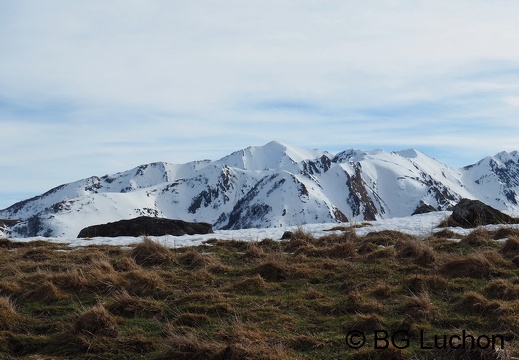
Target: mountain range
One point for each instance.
(273, 185)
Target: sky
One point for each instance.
(97, 87)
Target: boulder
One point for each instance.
(287, 235)
(472, 213)
(146, 225)
(424, 209)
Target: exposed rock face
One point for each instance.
(145, 225)
(473, 213)
(424, 209)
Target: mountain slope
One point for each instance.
(273, 185)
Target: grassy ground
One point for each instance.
(296, 299)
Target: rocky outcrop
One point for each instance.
(472, 213)
(424, 209)
(145, 225)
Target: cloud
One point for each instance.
(97, 87)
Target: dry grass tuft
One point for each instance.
(388, 353)
(251, 285)
(272, 270)
(95, 321)
(510, 248)
(383, 252)
(45, 292)
(420, 306)
(192, 320)
(151, 253)
(477, 237)
(382, 291)
(386, 237)
(506, 232)
(9, 317)
(501, 289)
(300, 234)
(196, 259)
(426, 283)
(472, 266)
(367, 322)
(417, 250)
(254, 251)
(305, 343)
(190, 347)
(124, 304)
(446, 234)
(38, 254)
(343, 250)
(10, 287)
(124, 264)
(143, 283)
(476, 304)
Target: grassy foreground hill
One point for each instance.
(386, 295)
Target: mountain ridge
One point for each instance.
(273, 185)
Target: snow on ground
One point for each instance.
(418, 225)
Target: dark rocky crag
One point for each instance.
(472, 213)
(146, 225)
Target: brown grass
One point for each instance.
(95, 321)
(416, 250)
(140, 282)
(45, 292)
(478, 237)
(510, 248)
(124, 264)
(501, 289)
(467, 351)
(268, 302)
(196, 259)
(151, 253)
(472, 266)
(124, 304)
(9, 317)
(273, 269)
(254, 251)
(420, 306)
(474, 303)
(253, 285)
(192, 319)
(367, 322)
(190, 347)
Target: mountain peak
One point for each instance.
(273, 155)
(409, 153)
(272, 185)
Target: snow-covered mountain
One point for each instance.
(273, 185)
